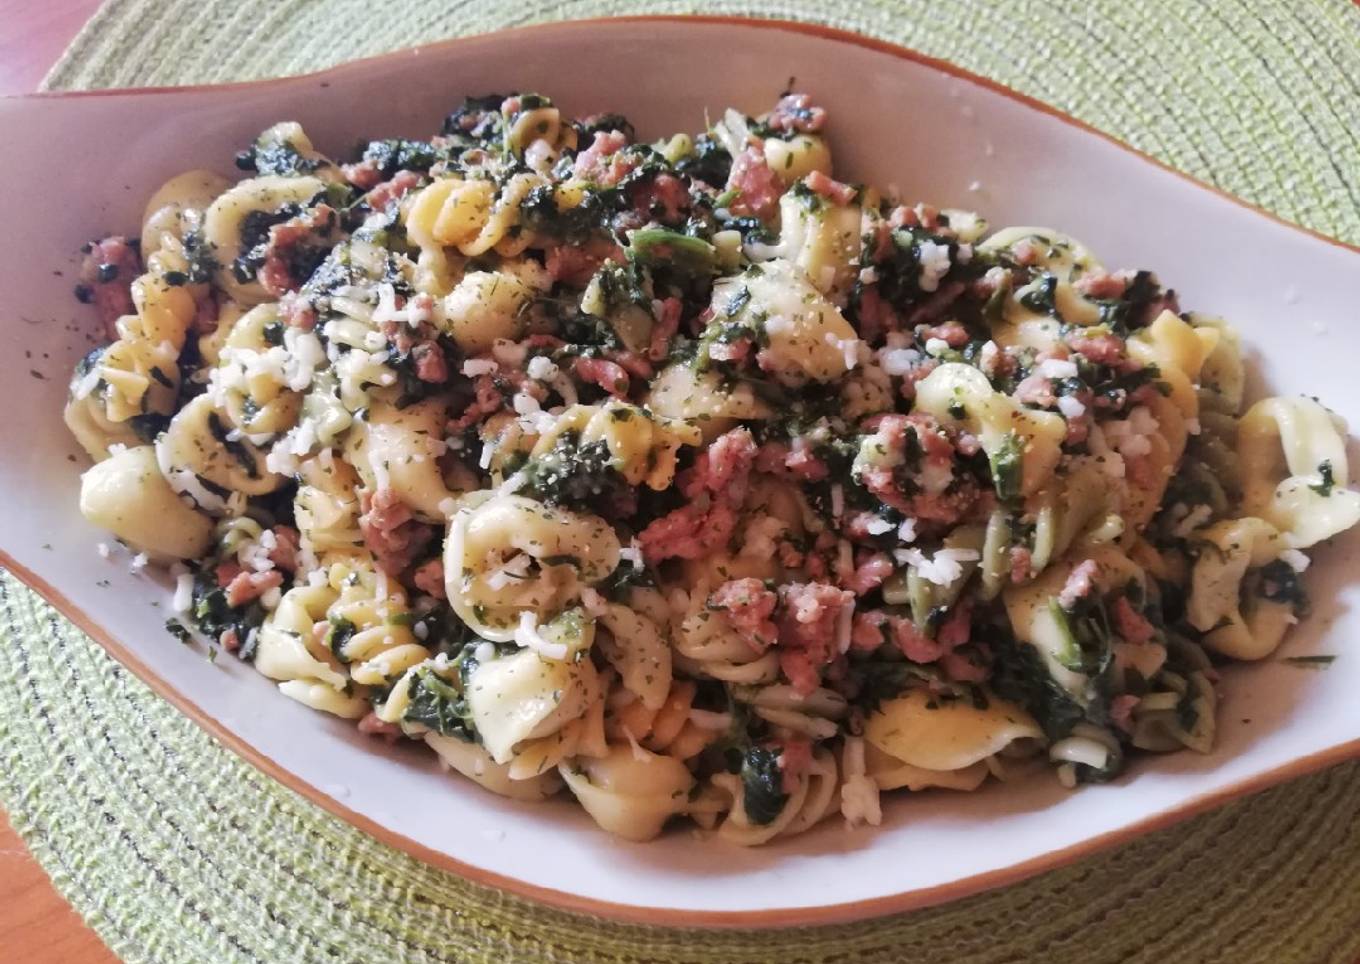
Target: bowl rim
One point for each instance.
(840, 913)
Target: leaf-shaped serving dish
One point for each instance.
(80, 166)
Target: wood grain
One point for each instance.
(36, 925)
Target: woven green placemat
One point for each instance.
(175, 850)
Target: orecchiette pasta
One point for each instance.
(684, 477)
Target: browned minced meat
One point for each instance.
(370, 725)
(420, 343)
(776, 458)
(808, 630)
(796, 113)
(1079, 584)
(664, 198)
(935, 306)
(918, 216)
(952, 333)
(284, 553)
(1103, 285)
(869, 573)
(429, 363)
(106, 275)
(1121, 710)
(667, 324)
(715, 485)
(758, 188)
(429, 578)
(749, 608)
(1037, 390)
(1130, 623)
(942, 508)
(608, 375)
(601, 163)
(401, 184)
(576, 264)
(828, 187)
(297, 312)
(1099, 347)
(252, 585)
(487, 401)
(365, 175)
(275, 275)
(391, 532)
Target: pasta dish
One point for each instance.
(682, 478)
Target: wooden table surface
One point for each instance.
(36, 925)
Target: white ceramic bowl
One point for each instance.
(897, 118)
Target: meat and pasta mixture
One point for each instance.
(682, 476)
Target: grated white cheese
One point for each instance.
(844, 622)
(513, 484)
(779, 325)
(936, 476)
(183, 599)
(848, 347)
(306, 354)
(1058, 368)
(935, 347)
(942, 568)
(906, 532)
(1294, 559)
(139, 562)
(88, 382)
(528, 636)
(541, 368)
(103, 550)
(878, 526)
(484, 652)
(516, 569)
(988, 357)
(899, 361)
(479, 366)
(632, 554)
(1070, 407)
(934, 259)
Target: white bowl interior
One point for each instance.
(940, 138)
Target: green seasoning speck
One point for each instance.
(1328, 480)
(177, 629)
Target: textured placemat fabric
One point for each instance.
(175, 850)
